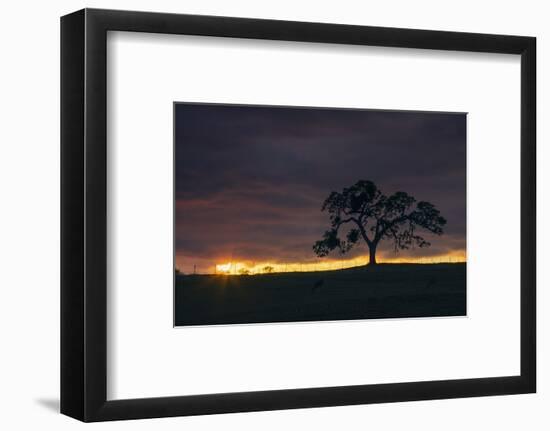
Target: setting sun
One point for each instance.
(223, 268)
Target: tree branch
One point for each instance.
(359, 224)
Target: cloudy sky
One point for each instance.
(250, 180)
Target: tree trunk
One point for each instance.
(372, 254)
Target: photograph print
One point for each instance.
(296, 214)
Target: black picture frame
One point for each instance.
(84, 214)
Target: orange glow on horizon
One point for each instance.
(249, 268)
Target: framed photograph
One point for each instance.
(262, 215)
(276, 220)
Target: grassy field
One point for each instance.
(370, 292)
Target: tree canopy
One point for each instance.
(371, 216)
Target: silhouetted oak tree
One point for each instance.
(373, 217)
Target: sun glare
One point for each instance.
(223, 268)
(244, 268)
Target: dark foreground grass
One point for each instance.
(371, 292)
